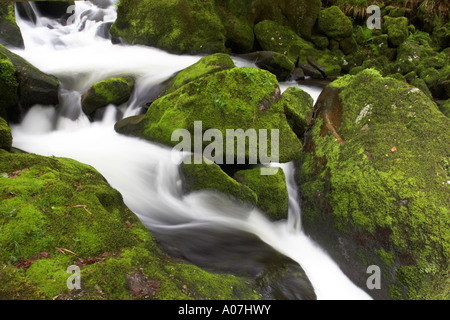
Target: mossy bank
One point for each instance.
(56, 213)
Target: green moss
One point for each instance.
(56, 213)
(273, 36)
(334, 23)
(396, 29)
(239, 98)
(445, 108)
(8, 84)
(271, 190)
(5, 135)
(179, 26)
(111, 91)
(209, 176)
(205, 66)
(298, 107)
(386, 177)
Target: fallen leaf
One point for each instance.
(394, 149)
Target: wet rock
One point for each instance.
(10, 34)
(34, 86)
(115, 91)
(271, 191)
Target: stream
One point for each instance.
(204, 228)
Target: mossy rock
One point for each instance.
(10, 34)
(5, 135)
(272, 36)
(8, 85)
(235, 99)
(115, 91)
(271, 191)
(298, 107)
(34, 86)
(334, 23)
(57, 213)
(396, 29)
(201, 174)
(180, 26)
(275, 37)
(374, 184)
(205, 66)
(445, 108)
(278, 64)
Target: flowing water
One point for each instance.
(202, 227)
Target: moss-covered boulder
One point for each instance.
(208, 176)
(5, 135)
(205, 66)
(10, 34)
(209, 26)
(445, 107)
(242, 100)
(34, 86)
(271, 191)
(278, 64)
(275, 37)
(374, 184)
(57, 213)
(298, 107)
(179, 26)
(334, 23)
(396, 29)
(115, 91)
(8, 85)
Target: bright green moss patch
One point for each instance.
(209, 176)
(56, 213)
(234, 99)
(271, 190)
(178, 26)
(205, 66)
(114, 91)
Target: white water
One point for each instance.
(143, 172)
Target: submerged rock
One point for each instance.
(59, 213)
(374, 184)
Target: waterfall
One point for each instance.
(144, 173)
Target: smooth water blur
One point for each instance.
(145, 173)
